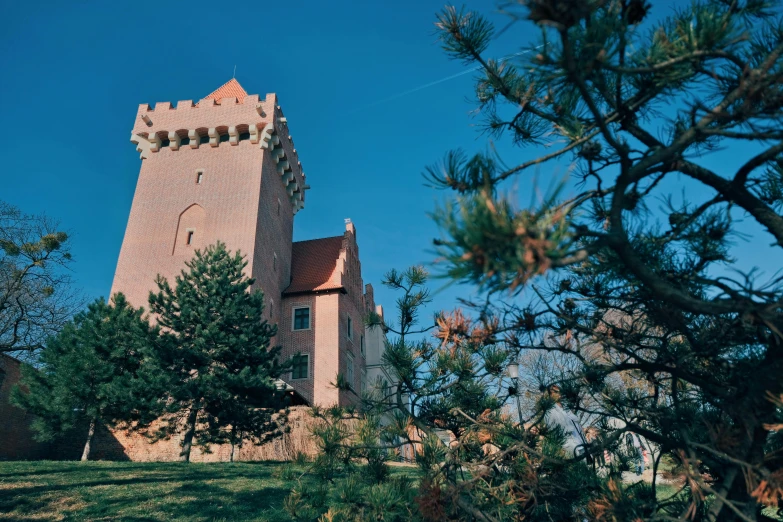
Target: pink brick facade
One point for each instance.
(226, 169)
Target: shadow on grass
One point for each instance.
(145, 492)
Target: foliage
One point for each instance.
(630, 290)
(36, 294)
(90, 372)
(216, 371)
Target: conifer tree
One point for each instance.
(90, 373)
(627, 283)
(662, 332)
(217, 369)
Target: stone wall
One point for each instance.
(135, 447)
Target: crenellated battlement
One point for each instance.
(223, 122)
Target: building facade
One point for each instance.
(226, 169)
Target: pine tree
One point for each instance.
(217, 368)
(645, 318)
(90, 373)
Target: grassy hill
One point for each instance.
(143, 492)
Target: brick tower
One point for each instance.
(225, 169)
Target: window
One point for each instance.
(199, 177)
(364, 381)
(386, 390)
(349, 371)
(302, 318)
(274, 262)
(278, 206)
(350, 328)
(189, 239)
(271, 308)
(301, 366)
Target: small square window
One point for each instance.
(302, 318)
(199, 177)
(350, 328)
(189, 240)
(349, 371)
(301, 366)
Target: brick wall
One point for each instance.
(16, 441)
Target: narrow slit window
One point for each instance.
(189, 238)
(274, 262)
(349, 371)
(199, 177)
(350, 328)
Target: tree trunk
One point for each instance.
(90, 433)
(190, 430)
(233, 442)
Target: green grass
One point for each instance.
(142, 492)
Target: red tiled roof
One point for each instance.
(228, 90)
(313, 263)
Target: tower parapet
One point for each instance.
(223, 121)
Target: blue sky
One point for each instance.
(76, 71)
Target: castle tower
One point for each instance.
(225, 169)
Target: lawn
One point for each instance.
(143, 491)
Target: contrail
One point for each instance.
(430, 84)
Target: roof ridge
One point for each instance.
(319, 239)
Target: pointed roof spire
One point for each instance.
(228, 90)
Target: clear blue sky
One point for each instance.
(74, 73)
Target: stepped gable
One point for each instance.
(313, 265)
(230, 89)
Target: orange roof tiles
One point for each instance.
(230, 89)
(313, 263)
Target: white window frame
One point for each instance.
(307, 366)
(309, 318)
(349, 373)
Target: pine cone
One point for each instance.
(564, 12)
(635, 11)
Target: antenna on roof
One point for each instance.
(235, 73)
